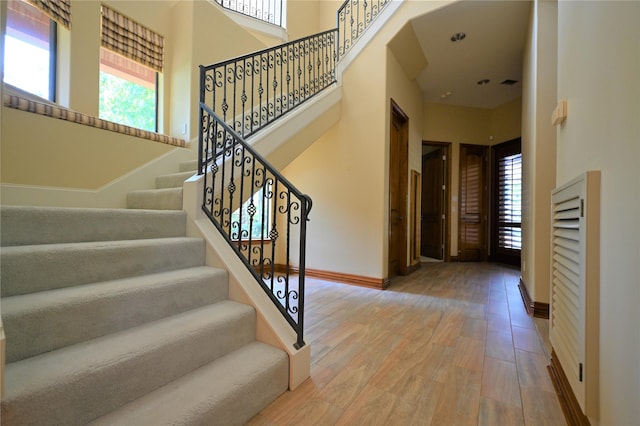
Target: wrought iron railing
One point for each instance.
(254, 90)
(261, 215)
(270, 11)
(354, 17)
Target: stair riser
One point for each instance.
(155, 199)
(105, 378)
(29, 269)
(173, 181)
(188, 166)
(42, 225)
(38, 323)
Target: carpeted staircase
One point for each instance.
(112, 318)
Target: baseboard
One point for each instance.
(359, 280)
(536, 309)
(453, 259)
(570, 407)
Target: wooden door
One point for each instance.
(473, 203)
(432, 236)
(398, 193)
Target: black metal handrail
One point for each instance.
(265, 10)
(254, 90)
(259, 212)
(353, 18)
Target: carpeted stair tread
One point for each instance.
(44, 321)
(173, 180)
(228, 391)
(155, 199)
(79, 383)
(27, 269)
(26, 225)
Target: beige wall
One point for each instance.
(47, 152)
(598, 69)
(303, 18)
(345, 171)
(538, 148)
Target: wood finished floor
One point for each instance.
(451, 344)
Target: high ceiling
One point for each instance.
(492, 49)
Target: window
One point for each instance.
(130, 60)
(128, 92)
(507, 235)
(510, 202)
(30, 50)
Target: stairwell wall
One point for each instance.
(346, 170)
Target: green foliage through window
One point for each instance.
(126, 102)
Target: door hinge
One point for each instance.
(580, 371)
(581, 207)
(443, 217)
(444, 158)
(443, 187)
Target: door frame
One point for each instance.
(403, 165)
(447, 195)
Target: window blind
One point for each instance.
(58, 10)
(510, 202)
(131, 39)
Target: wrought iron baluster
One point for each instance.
(301, 68)
(273, 234)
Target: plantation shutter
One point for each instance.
(58, 10)
(132, 40)
(472, 220)
(510, 202)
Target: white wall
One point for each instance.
(599, 75)
(538, 147)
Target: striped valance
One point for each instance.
(58, 10)
(132, 40)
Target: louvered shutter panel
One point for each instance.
(574, 312)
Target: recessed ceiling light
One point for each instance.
(458, 37)
(446, 94)
(483, 82)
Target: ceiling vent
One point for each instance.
(509, 82)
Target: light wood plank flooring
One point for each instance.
(451, 344)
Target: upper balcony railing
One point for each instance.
(270, 11)
(254, 90)
(354, 17)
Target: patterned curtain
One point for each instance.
(58, 10)
(132, 40)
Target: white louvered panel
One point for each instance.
(574, 286)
